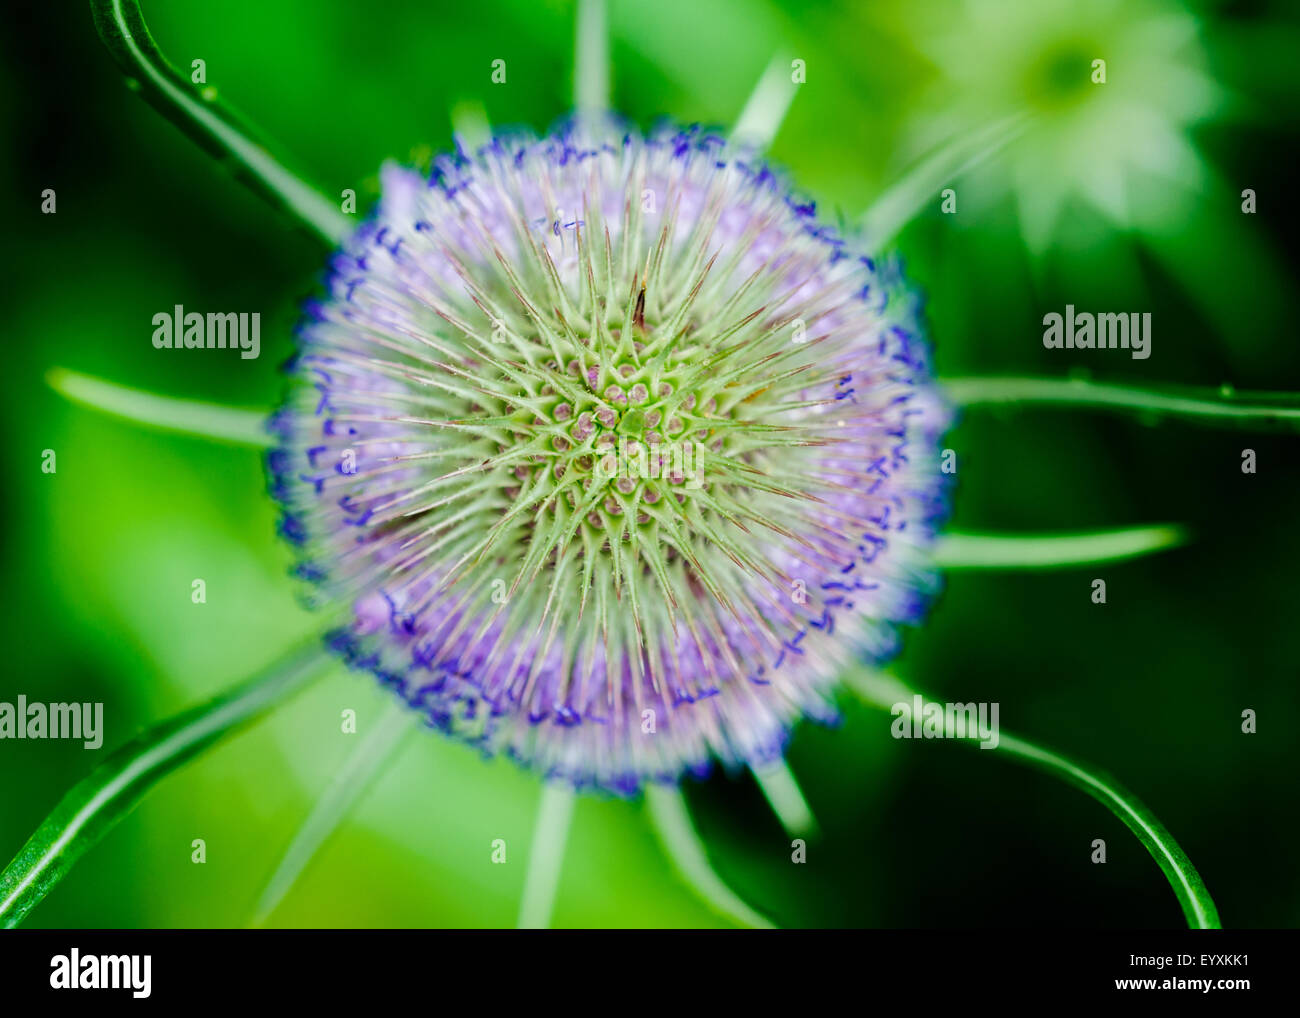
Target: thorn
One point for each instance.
(638, 315)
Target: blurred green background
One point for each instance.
(1124, 196)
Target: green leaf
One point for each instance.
(95, 804)
(888, 693)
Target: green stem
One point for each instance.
(894, 209)
(1260, 409)
(546, 855)
(786, 799)
(591, 59)
(957, 550)
(887, 693)
(767, 106)
(470, 124)
(214, 127)
(186, 416)
(95, 804)
(672, 823)
(353, 778)
(1188, 887)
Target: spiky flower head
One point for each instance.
(613, 453)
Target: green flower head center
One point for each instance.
(614, 442)
(1062, 74)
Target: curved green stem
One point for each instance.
(185, 416)
(957, 550)
(1190, 890)
(672, 823)
(1208, 406)
(216, 129)
(95, 804)
(888, 693)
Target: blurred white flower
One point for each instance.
(1116, 145)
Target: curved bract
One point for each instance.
(209, 122)
(884, 691)
(94, 805)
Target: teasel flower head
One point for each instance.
(610, 454)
